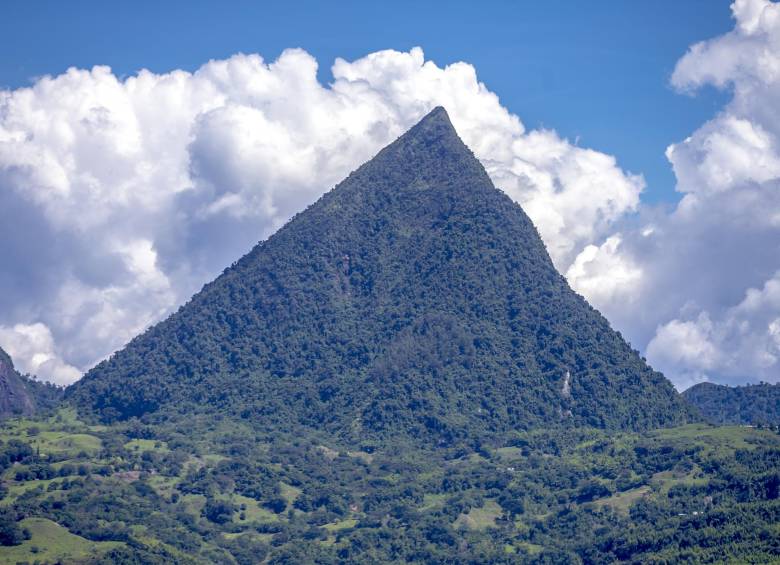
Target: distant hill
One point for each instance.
(414, 300)
(751, 404)
(21, 395)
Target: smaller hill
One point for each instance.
(746, 405)
(21, 395)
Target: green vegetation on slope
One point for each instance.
(747, 405)
(414, 299)
(51, 543)
(219, 491)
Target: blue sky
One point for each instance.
(597, 72)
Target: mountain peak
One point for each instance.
(434, 129)
(413, 300)
(437, 121)
(437, 113)
(429, 157)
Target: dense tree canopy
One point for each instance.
(415, 298)
(751, 404)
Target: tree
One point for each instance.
(218, 511)
(10, 532)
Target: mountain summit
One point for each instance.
(413, 299)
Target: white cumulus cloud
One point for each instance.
(32, 348)
(706, 306)
(119, 197)
(742, 342)
(603, 275)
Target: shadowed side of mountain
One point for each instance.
(21, 395)
(414, 299)
(745, 405)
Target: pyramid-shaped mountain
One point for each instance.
(414, 298)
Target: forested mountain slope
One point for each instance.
(751, 404)
(414, 299)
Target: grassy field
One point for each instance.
(253, 512)
(341, 525)
(147, 445)
(164, 485)
(431, 501)
(509, 453)
(529, 548)
(58, 442)
(50, 543)
(663, 482)
(60, 434)
(479, 519)
(265, 538)
(289, 493)
(367, 458)
(725, 439)
(622, 501)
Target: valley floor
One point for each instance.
(221, 492)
